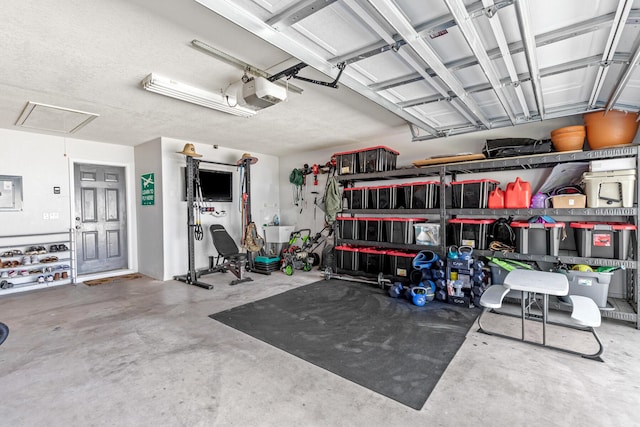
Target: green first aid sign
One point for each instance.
(148, 189)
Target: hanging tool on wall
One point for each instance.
(315, 169)
(198, 232)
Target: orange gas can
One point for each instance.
(496, 199)
(517, 195)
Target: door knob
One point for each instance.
(77, 218)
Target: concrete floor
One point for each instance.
(144, 352)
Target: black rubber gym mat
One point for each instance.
(358, 332)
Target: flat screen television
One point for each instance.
(216, 186)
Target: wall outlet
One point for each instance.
(54, 215)
(45, 215)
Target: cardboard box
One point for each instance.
(566, 201)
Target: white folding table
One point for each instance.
(537, 282)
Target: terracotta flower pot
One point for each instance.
(567, 129)
(568, 141)
(613, 128)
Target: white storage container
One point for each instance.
(427, 234)
(591, 285)
(607, 165)
(613, 189)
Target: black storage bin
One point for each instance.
(472, 194)
(347, 162)
(357, 197)
(382, 197)
(370, 229)
(347, 258)
(538, 238)
(372, 261)
(400, 263)
(421, 195)
(602, 239)
(469, 232)
(348, 227)
(400, 230)
(377, 159)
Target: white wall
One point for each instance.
(400, 140)
(150, 218)
(46, 161)
(264, 201)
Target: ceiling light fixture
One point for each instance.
(216, 101)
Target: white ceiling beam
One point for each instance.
(471, 35)
(403, 27)
(529, 42)
(626, 76)
(503, 45)
(622, 13)
(259, 28)
(297, 12)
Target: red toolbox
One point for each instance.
(602, 239)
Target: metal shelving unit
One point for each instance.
(626, 309)
(45, 263)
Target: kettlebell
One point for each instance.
(429, 284)
(396, 290)
(419, 295)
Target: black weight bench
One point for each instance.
(229, 256)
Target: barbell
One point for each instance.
(380, 282)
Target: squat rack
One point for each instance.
(191, 278)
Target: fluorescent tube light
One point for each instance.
(194, 95)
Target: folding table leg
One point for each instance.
(522, 304)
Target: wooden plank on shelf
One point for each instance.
(448, 159)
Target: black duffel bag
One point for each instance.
(511, 147)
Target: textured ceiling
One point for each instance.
(446, 67)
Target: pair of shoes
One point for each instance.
(50, 259)
(49, 278)
(34, 250)
(13, 273)
(9, 264)
(65, 275)
(6, 285)
(26, 260)
(24, 273)
(40, 279)
(12, 252)
(34, 259)
(58, 248)
(4, 274)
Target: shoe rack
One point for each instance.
(36, 261)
